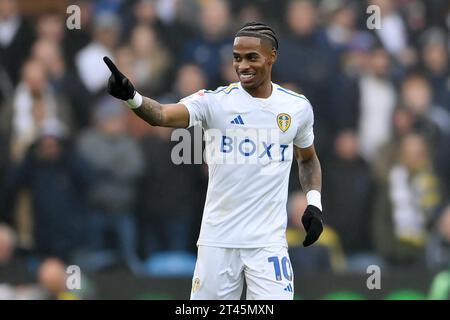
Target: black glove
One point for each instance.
(118, 85)
(313, 223)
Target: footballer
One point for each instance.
(243, 229)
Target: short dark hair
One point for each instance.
(259, 30)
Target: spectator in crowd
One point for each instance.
(56, 47)
(400, 37)
(16, 38)
(431, 120)
(50, 26)
(106, 34)
(340, 19)
(53, 280)
(402, 124)
(213, 45)
(150, 60)
(393, 35)
(345, 94)
(416, 94)
(62, 80)
(190, 78)
(171, 20)
(56, 178)
(12, 269)
(348, 176)
(377, 102)
(435, 60)
(257, 10)
(404, 206)
(76, 39)
(117, 162)
(14, 265)
(414, 14)
(249, 11)
(34, 101)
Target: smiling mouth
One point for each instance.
(245, 77)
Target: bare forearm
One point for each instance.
(150, 111)
(310, 174)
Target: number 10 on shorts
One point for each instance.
(285, 266)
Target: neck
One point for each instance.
(262, 91)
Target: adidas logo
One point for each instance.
(237, 120)
(289, 288)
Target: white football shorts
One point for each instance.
(219, 274)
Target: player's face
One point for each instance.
(252, 60)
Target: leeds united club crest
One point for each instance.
(284, 121)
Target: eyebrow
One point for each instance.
(253, 53)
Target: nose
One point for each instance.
(243, 65)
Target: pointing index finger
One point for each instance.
(112, 67)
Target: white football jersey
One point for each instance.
(249, 151)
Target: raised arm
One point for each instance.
(310, 174)
(163, 115)
(156, 114)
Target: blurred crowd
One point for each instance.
(84, 181)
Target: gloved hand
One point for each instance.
(118, 85)
(313, 223)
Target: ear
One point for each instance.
(273, 56)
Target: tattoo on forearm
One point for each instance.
(310, 174)
(150, 111)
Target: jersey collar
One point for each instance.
(264, 103)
